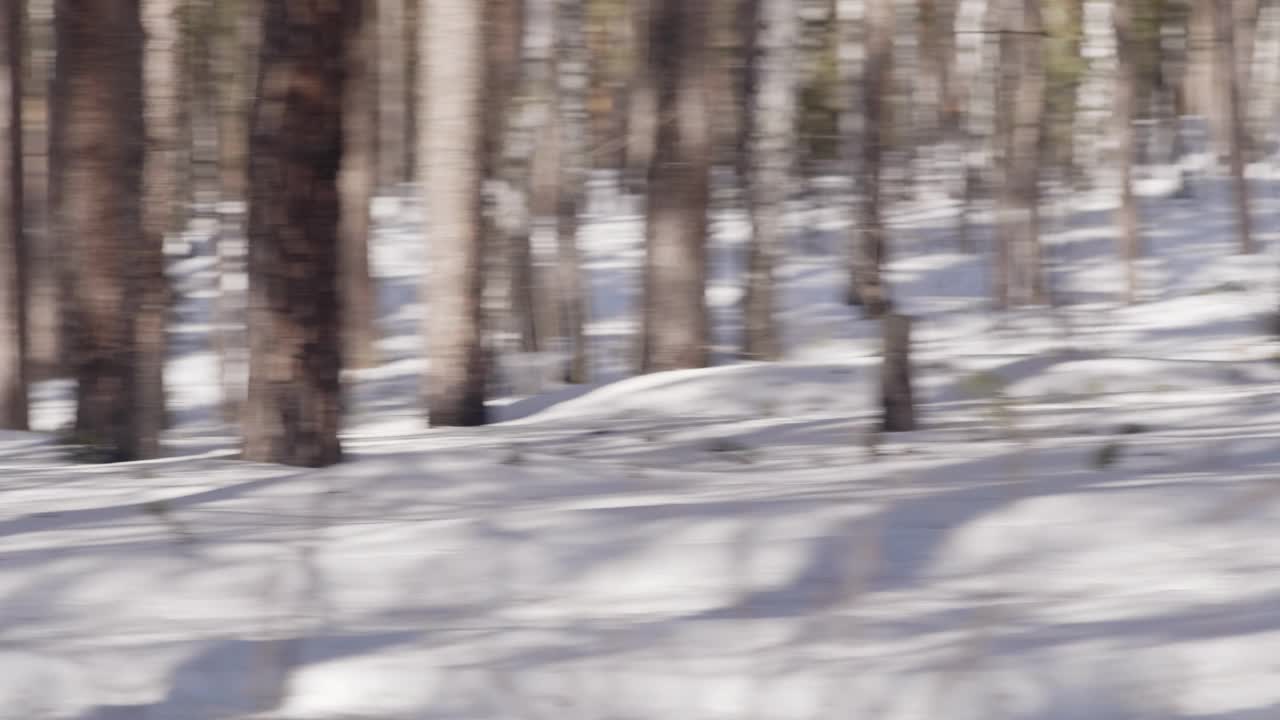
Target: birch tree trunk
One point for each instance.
(770, 135)
(453, 155)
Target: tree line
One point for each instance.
(279, 122)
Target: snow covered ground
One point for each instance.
(1081, 530)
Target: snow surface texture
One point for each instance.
(1080, 531)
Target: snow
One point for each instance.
(1079, 530)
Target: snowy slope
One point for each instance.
(1080, 531)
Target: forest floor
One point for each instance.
(1079, 530)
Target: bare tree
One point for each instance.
(235, 55)
(391, 57)
(13, 291)
(45, 263)
(676, 331)
(641, 99)
(572, 80)
(770, 137)
(356, 183)
(162, 68)
(453, 155)
(1019, 271)
(869, 246)
(101, 48)
(1125, 103)
(292, 414)
(1224, 31)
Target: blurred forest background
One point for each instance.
(278, 122)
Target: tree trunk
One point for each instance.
(514, 216)
(896, 399)
(238, 41)
(389, 54)
(454, 154)
(868, 254)
(1125, 100)
(1019, 275)
(13, 291)
(292, 414)
(642, 111)
(675, 323)
(44, 262)
(770, 119)
(1224, 26)
(1244, 38)
(505, 32)
(163, 65)
(414, 103)
(102, 46)
(1028, 145)
(356, 181)
(571, 99)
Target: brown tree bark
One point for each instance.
(44, 262)
(454, 157)
(13, 260)
(102, 46)
(356, 184)
(1125, 101)
(676, 331)
(642, 110)
(392, 61)
(414, 103)
(293, 411)
(162, 68)
(1224, 27)
(869, 245)
(897, 401)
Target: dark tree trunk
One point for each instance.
(454, 158)
(102, 47)
(13, 291)
(414, 103)
(897, 400)
(292, 415)
(356, 182)
(676, 326)
(44, 262)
